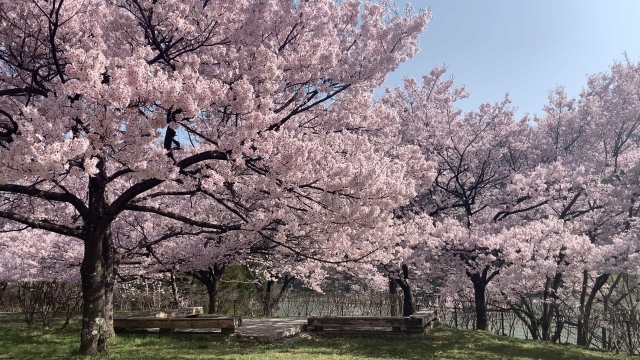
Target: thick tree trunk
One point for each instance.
(212, 292)
(92, 272)
(97, 260)
(393, 292)
(3, 288)
(408, 307)
(108, 251)
(266, 299)
(480, 282)
(108, 309)
(479, 290)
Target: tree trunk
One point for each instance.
(583, 297)
(550, 298)
(266, 299)
(210, 279)
(405, 284)
(285, 286)
(92, 272)
(393, 292)
(584, 335)
(212, 291)
(525, 312)
(479, 289)
(604, 329)
(559, 326)
(174, 288)
(108, 255)
(269, 302)
(97, 260)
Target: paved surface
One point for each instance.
(269, 329)
(259, 329)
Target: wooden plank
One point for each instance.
(183, 312)
(176, 323)
(359, 321)
(170, 313)
(414, 324)
(366, 333)
(422, 318)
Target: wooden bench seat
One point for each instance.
(365, 325)
(188, 312)
(226, 324)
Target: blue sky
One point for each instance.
(523, 47)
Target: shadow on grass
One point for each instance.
(18, 342)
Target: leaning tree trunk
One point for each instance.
(269, 302)
(405, 284)
(584, 326)
(288, 280)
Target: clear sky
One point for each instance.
(523, 47)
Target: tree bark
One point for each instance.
(583, 297)
(550, 298)
(210, 279)
(559, 326)
(269, 302)
(585, 314)
(110, 279)
(212, 292)
(93, 336)
(174, 288)
(266, 299)
(479, 290)
(525, 311)
(405, 284)
(93, 271)
(528, 319)
(393, 292)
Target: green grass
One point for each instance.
(18, 342)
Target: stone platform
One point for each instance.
(258, 329)
(269, 329)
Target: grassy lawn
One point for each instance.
(18, 342)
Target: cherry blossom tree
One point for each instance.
(263, 106)
(593, 140)
(477, 154)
